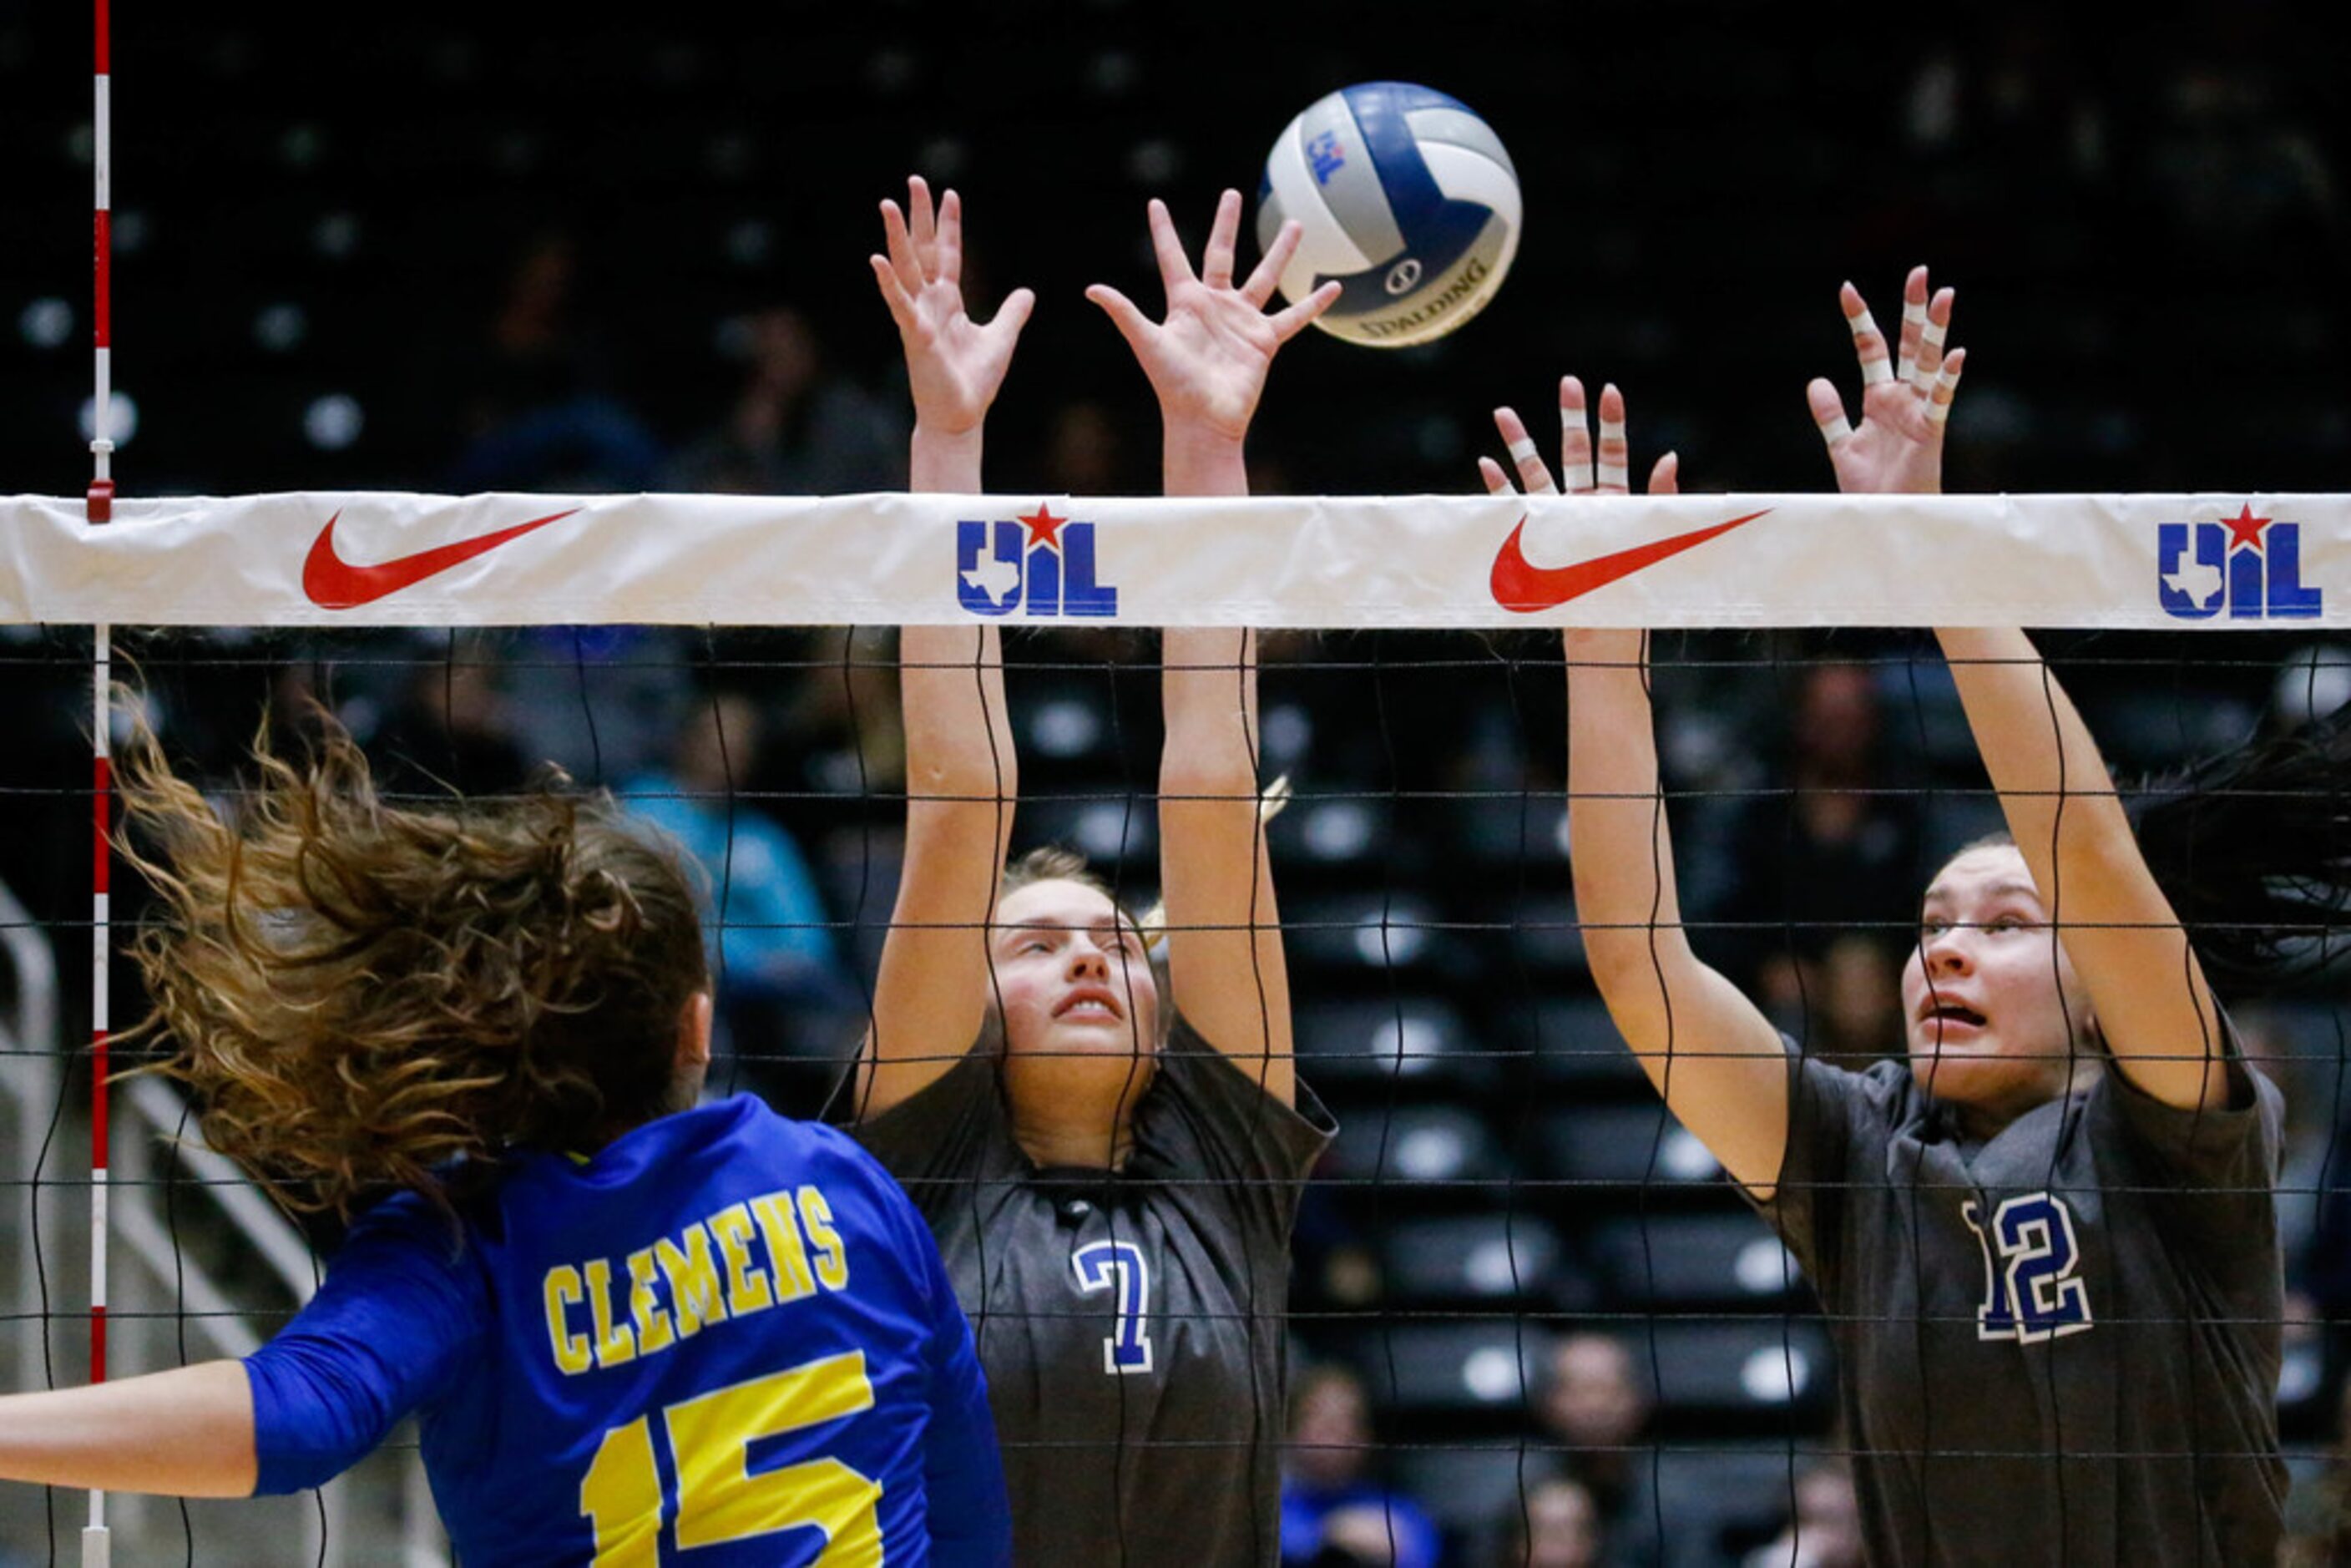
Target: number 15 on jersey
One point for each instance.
(718, 1499)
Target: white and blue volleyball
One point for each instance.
(1405, 197)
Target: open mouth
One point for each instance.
(1952, 1013)
(1090, 1006)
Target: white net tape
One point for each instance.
(2138, 561)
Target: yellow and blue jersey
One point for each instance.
(726, 1339)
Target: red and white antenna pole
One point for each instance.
(101, 444)
(97, 1549)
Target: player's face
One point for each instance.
(1071, 975)
(1993, 1005)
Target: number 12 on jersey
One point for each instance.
(2030, 1256)
(718, 1499)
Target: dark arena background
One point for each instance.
(537, 248)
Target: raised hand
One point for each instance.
(1208, 360)
(1575, 452)
(953, 365)
(1899, 449)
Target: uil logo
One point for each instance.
(2250, 566)
(1039, 563)
(1325, 157)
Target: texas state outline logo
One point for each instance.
(2249, 567)
(1040, 563)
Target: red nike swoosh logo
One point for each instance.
(334, 583)
(1520, 585)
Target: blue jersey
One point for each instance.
(727, 1335)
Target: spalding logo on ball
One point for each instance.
(1405, 197)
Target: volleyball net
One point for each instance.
(1510, 1232)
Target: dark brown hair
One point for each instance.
(2253, 850)
(362, 995)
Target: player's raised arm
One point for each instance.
(2146, 990)
(187, 1432)
(961, 778)
(1710, 1050)
(2147, 993)
(1207, 362)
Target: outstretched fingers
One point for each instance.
(1914, 325)
(923, 222)
(1574, 438)
(1534, 474)
(1289, 321)
(1011, 316)
(1267, 273)
(1868, 342)
(1175, 267)
(1613, 477)
(1947, 386)
(1828, 412)
(1137, 328)
(899, 243)
(950, 239)
(894, 293)
(1930, 363)
(1217, 261)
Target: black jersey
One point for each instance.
(2059, 1345)
(1130, 1324)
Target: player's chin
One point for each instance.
(1106, 1038)
(1971, 1071)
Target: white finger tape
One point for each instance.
(1522, 452)
(1913, 313)
(1938, 403)
(1836, 430)
(1614, 475)
(1572, 419)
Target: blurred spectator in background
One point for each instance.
(783, 991)
(1596, 1407)
(542, 410)
(1826, 1531)
(1556, 1525)
(794, 429)
(602, 703)
(1853, 1003)
(1333, 1513)
(1835, 856)
(450, 726)
(2318, 1511)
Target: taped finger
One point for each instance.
(1614, 472)
(1828, 414)
(1869, 343)
(1574, 443)
(1531, 470)
(1914, 332)
(1930, 342)
(1947, 387)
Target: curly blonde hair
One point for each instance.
(362, 997)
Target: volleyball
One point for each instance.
(1406, 198)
